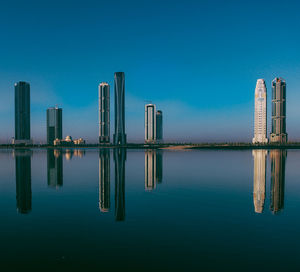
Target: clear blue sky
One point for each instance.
(197, 60)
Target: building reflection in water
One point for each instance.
(153, 169)
(69, 153)
(278, 158)
(54, 168)
(259, 179)
(119, 158)
(23, 180)
(104, 180)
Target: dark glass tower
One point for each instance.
(23, 180)
(119, 136)
(54, 168)
(22, 112)
(104, 180)
(119, 158)
(54, 124)
(104, 113)
(159, 126)
(278, 134)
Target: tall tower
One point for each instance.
(22, 112)
(278, 134)
(104, 113)
(159, 126)
(260, 113)
(54, 124)
(119, 136)
(150, 123)
(259, 179)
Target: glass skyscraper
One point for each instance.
(54, 124)
(104, 113)
(150, 123)
(278, 134)
(119, 86)
(159, 126)
(22, 112)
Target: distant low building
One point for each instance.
(69, 141)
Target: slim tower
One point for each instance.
(22, 112)
(119, 136)
(104, 113)
(54, 124)
(260, 113)
(159, 126)
(150, 123)
(278, 134)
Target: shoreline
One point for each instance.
(163, 146)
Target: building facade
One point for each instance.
(150, 123)
(54, 125)
(104, 112)
(159, 126)
(260, 113)
(119, 88)
(22, 113)
(278, 134)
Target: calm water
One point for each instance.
(141, 210)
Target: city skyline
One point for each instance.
(221, 51)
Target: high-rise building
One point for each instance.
(54, 124)
(119, 159)
(104, 180)
(278, 134)
(22, 113)
(104, 113)
(159, 126)
(23, 180)
(119, 86)
(260, 113)
(259, 179)
(150, 123)
(278, 158)
(54, 168)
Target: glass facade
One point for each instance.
(54, 124)
(104, 113)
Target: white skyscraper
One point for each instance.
(150, 123)
(104, 113)
(260, 114)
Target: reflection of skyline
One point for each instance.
(69, 153)
(259, 179)
(153, 169)
(277, 179)
(23, 180)
(104, 180)
(54, 168)
(119, 158)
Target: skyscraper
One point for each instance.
(104, 180)
(260, 113)
(150, 123)
(119, 136)
(22, 113)
(104, 113)
(159, 126)
(278, 134)
(54, 124)
(259, 179)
